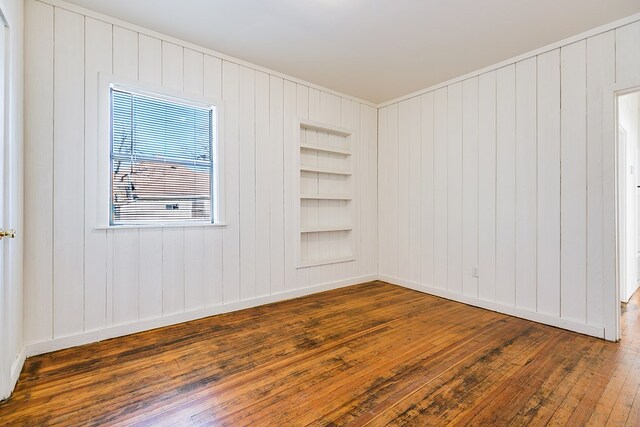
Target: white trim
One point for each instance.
(124, 24)
(16, 367)
(103, 168)
(145, 325)
(162, 225)
(556, 45)
(593, 330)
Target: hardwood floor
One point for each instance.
(371, 354)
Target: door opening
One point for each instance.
(628, 138)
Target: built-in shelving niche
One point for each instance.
(326, 190)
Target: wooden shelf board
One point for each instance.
(326, 149)
(324, 229)
(325, 197)
(320, 169)
(311, 263)
(325, 127)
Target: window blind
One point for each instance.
(162, 160)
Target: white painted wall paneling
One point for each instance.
(129, 277)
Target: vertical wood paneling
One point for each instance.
(125, 241)
(263, 228)
(321, 273)
(504, 127)
(370, 214)
(150, 240)
(627, 51)
(247, 184)
(440, 190)
(487, 186)
(524, 259)
(172, 271)
(415, 190)
(392, 170)
(351, 119)
(470, 186)
(149, 59)
(573, 203)
(213, 250)
(313, 240)
(454, 188)
(115, 276)
(173, 265)
(194, 260)
(302, 108)
(330, 112)
(548, 200)
(98, 59)
(193, 72)
(276, 182)
(231, 236)
(355, 119)
(172, 66)
(404, 124)
(383, 192)
(125, 276)
(601, 67)
(290, 175)
(38, 182)
(427, 183)
(68, 174)
(506, 185)
(526, 181)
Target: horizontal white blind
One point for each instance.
(161, 159)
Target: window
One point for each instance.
(163, 159)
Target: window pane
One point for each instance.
(162, 160)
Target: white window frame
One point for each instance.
(103, 190)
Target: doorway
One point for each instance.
(629, 145)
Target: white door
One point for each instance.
(8, 254)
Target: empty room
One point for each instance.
(320, 212)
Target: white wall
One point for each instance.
(629, 122)
(507, 171)
(83, 284)
(12, 292)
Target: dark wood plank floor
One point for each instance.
(372, 354)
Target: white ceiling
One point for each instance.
(372, 49)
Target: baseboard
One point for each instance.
(16, 369)
(88, 337)
(592, 330)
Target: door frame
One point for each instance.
(612, 294)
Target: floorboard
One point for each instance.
(371, 354)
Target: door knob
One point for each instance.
(10, 233)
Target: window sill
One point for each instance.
(169, 225)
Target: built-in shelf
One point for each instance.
(314, 262)
(325, 169)
(320, 169)
(325, 197)
(323, 127)
(325, 149)
(325, 228)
